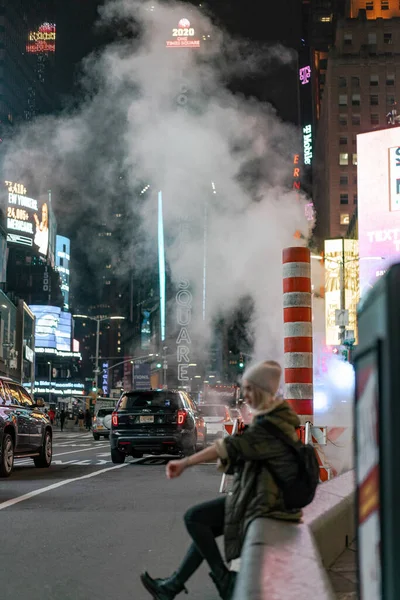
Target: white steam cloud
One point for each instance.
(131, 123)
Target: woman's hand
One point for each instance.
(175, 468)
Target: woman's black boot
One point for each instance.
(225, 583)
(163, 589)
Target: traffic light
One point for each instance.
(158, 365)
(94, 389)
(241, 365)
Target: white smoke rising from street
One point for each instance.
(131, 121)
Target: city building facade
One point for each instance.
(362, 85)
(27, 37)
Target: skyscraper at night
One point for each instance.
(362, 85)
(28, 40)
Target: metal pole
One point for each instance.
(342, 328)
(96, 372)
(8, 341)
(49, 382)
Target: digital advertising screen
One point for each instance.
(53, 328)
(378, 175)
(183, 35)
(27, 219)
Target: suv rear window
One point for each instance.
(213, 410)
(105, 411)
(149, 400)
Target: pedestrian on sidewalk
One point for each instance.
(52, 415)
(254, 491)
(88, 419)
(81, 418)
(62, 418)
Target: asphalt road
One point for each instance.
(85, 528)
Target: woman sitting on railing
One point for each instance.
(254, 492)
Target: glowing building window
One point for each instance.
(384, 4)
(326, 19)
(343, 159)
(344, 219)
(343, 100)
(354, 159)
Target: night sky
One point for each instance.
(77, 37)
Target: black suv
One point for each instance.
(156, 422)
(25, 431)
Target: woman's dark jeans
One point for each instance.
(204, 523)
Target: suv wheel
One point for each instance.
(7, 456)
(46, 453)
(117, 457)
(96, 437)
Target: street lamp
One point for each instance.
(98, 321)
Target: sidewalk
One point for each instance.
(343, 574)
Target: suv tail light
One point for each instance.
(114, 419)
(182, 416)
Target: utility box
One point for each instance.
(377, 422)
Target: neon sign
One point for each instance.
(183, 36)
(16, 188)
(43, 40)
(305, 75)
(307, 144)
(309, 208)
(296, 172)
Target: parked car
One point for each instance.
(156, 422)
(25, 430)
(101, 425)
(216, 416)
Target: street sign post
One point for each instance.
(377, 418)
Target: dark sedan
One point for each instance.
(156, 422)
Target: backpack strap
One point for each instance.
(278, 433)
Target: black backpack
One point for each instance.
(299, 490)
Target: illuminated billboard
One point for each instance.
(53, 328)
(341, 254)
(378, 168)
(43, 40)
(27, 219)
(183, 36)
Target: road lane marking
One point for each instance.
(54, 486)
(80, 450)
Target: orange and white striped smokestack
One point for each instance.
(297, 317)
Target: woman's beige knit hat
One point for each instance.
(265, 375)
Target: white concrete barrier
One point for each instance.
(282, 560)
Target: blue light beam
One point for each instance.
(161, 264)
